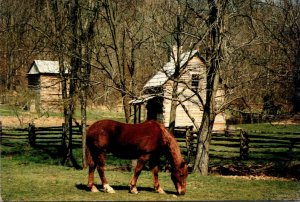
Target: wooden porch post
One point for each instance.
(134, 113)
(244, 145)
(139, 113)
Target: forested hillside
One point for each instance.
(121, 44)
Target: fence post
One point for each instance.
(64, 135)
(31, 134)
(189, 142)
(0, 128)
(244, 145)
(291, 145)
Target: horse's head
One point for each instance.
(179, 176)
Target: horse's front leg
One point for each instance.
(137, 171)
(100, 167)
(154, 166)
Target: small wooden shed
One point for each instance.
(44, 83)
(155, 102)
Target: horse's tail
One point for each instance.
(88, 156)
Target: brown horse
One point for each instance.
(144, 141)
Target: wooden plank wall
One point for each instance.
(50, 93)
(194, 66)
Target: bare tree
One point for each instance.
(83, 17)
(282, 31)
(87, 35)
(16, 44)
(128, 40)
(121, 39)
(213, 59)
(72, 28)
(174, 29)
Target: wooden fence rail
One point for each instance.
(244, 144)
(55, 135)
(42, 136)
(227, 144)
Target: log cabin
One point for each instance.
(155, 101)
(44, 83)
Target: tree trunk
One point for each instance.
(69, 158)
(208, 119)
(173, 107)
(75, 65)
(296, 99)
(203, 142)
(212, 78)
(83, 125)
(86, 71)
(10, 69)
(126, 106)
(58, 33)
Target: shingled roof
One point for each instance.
(169, 69)
(44, 67)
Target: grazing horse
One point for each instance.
(144, 141)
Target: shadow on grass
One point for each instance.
(84, 187)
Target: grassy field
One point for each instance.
(34, 174)
(30, 181)
(268, 127)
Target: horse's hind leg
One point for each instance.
(91, 185)
(100, 168)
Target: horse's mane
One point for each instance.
(173, 147)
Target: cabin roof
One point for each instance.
(44, 67)
(142, 99)
(169, 69)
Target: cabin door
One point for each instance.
(154, 108)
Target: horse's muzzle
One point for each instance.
(181, 191)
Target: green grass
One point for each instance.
(34, 174)
(268, 127)
(12, 110)
(36, 182)
(97, 114)
(4, 111)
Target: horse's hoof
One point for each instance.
(111, 191)
(108, 189)
(94, 189)
(133, 190)
(160, 191)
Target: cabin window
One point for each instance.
(195, 81)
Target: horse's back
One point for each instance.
(146, 134)
(126, 140)
(98, 133)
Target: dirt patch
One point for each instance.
(24, 120)
(288, 120)
(252, 177)
(272, 170)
